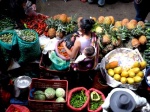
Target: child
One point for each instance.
(88, 52)
(85, 60)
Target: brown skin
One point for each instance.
(77, 44)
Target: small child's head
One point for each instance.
(89, 51)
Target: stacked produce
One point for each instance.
(130, 75)
(6, 37)
(36, 23)
(113, 34)
(60, 25)
(6, 23)
(78, 98)
(50, 94)
(146, 52)
(27, 35)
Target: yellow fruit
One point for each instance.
(124, 74)
(107, 20)
(124, 21)
(110, 72)
(123, 80)
(137, 79)
(136, 64)
(101, 19)
(143, 64)
(118, 70)
(130, 70)
(98, 29)
(136, 70)
(130, 80)
(131, 74)
(63, 18)
(117, 77)
(140, 73)
(112, 19)
(118, 24)
(142, 39)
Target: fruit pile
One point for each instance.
(113, 34)
(131, 75)
(60, 25)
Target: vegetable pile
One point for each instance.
(36, 23)
(28, 35)
(62, 51)
(50, 94)
(78, 99)
(6, 37)
(95, 101)
(6, 23)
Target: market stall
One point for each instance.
(37, 73)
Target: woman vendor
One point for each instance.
(84, 40)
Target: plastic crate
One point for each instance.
(42, 84)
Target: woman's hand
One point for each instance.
(34, 7)
(64, 44)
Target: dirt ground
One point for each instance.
(119, 10)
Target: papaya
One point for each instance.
(111, 65)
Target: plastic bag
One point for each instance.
(29, 51)
(57, 62)
(71, 92)
(102, 97)
(7, 49)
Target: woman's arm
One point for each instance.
(73, 53)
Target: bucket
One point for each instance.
(21, 86)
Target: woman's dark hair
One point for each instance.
(86, 24)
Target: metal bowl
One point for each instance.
(23, 81)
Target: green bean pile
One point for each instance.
(78, 99)
(28, 35)
(6, 37)
(95, 104)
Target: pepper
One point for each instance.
(95, 96)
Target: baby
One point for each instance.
(89, 52)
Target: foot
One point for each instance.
(101, 3)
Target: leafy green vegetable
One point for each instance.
(95, 104)
(78, 99)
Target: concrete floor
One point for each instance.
(119, 10)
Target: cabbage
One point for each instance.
(39, 95)
(60, 92)
(49, 93)
(60, 99)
